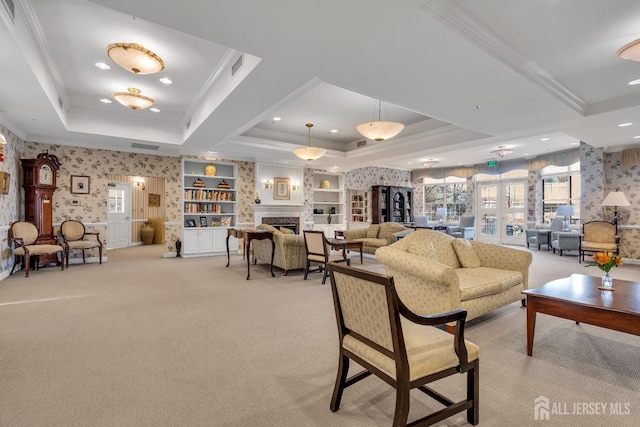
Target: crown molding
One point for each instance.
(460, 20)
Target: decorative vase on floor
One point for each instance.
(607, 282)
(147, 233)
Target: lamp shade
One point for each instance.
(379, 131)
(133, 99)
(135, 58)
(630, 51)
(565, 210)
(309, 152)
(441, 211)
(616, 198)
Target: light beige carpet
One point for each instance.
(147, 341)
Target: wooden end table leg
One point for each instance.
(248, 245)
(361, 250)
(273, 251)
(531, 324)
(228, 257)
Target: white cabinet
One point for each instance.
(328, 196)
(209, 206)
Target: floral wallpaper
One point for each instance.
(600, 173)
(10, 204)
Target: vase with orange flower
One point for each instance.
(605, 261)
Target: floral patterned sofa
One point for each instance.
(375, 236)
(435, 273)
(290, 253)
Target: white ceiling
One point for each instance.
(464, 76)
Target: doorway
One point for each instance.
(501, 211)
(119, 215)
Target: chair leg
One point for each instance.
(84, 261)
(306, 270)
(341, 378)
(324, 274)
(27, 261)
(15, 262)
(100, 253)
(402, 405)
(473, 393)
(61, 253)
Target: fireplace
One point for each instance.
(289, 216)
(290, 222)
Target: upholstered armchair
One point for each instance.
(599, 236)
(24, 236)
(404, 349)
(465, 230)
(542, 236)
(289, 254)
(75, 237)
(565, 241)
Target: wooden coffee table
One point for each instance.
(346, 245)
(578, 298)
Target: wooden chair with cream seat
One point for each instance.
(24, 236)
(319, 252)
(599, 236)
(74, 236)
(378, 332)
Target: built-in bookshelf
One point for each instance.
(358, 206)
(209, 206)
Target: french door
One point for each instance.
(501, 212)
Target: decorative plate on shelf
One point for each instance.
(210, 170)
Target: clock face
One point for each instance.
(46, 175)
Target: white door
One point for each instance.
(119, 215)
(501, 209)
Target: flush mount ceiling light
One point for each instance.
(630, 51)
(379, 130)
(135, 58)
(502, 151)
(430, 163)
(309, 152)
(133, 99)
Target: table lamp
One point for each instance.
(615, 199)
(567, 211)
(441, 212)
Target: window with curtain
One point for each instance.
(560, 186)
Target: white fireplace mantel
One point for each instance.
(263, 210)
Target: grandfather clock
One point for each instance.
(39, 183)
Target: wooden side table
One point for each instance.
(249, 234)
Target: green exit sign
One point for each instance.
(492, 163)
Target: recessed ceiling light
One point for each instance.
(544, 139)
(621, 125)
(634, 82)
(334, 130)
(574, 143)
(526, 154)
(105, 100)
(154, 109)
(102, 66)
(165, 80)
(212, 152)
(276, 119)
(636, 137)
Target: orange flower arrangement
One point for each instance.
(605, 260)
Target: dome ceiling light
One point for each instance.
(430, 163)
(630, 51)
(379, 130)
(133, 99)
(309, 152)
(135, 58)
(502, 151)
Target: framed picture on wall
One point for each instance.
(281, 189)
(79, 184)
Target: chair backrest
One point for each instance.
(315, 243)
(72, 230)
(556, 223)
(467, 221)
(25, 231)
(599, 232)
(366, 307)
(421, 221)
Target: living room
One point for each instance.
(459, 99)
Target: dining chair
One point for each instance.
(319, 252)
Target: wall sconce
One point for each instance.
(268, 184)
(140, 182)
(295, 187)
